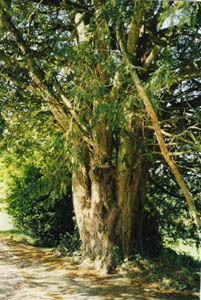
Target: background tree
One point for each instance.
(103, 68)
(167, 208)
(36, 212)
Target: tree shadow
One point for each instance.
(62, 277)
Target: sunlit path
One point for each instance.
(5, 221)
(31, 273)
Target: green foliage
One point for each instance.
(152, 240)
(168, 208)
(18, 235)
(178, 272)
(116, 255)
(32, 211)
(69, 243)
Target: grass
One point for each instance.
(189, 249)
(17, 235)
(183, 248)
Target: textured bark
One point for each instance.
(109, 204)
(109, 196)
(132, 193)
(96, 214)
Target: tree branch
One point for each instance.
(185, 105)
(150, 58)
(162, 188)
(135, 27)
(187, 74)
(5, 58)
(151, 112)
(182, 77)
(37, 75)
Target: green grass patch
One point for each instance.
(17, 235)
(188, 248)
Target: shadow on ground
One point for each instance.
(63, 278)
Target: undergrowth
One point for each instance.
(18, 235)
(178, 272)
(169, 270)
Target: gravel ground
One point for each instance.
(10, 277)
(36, 280)
(5, 221)
(34, 274)
(30, 273)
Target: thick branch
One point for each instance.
(164, 150)
(191, 75)
(151, 57)
(135, 27)
(37, 76)
(6, 21)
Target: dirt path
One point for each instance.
(5, 221)
(31, 273)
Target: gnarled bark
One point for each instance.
(132, 193)
(109, 205)
(96, 212)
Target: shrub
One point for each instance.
(33, 212)
(152, 242)
(70, 244)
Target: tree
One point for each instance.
(32, 211)
(168, 204)
(122, 80)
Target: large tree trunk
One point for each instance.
(109, 195)
(131, 194)
(96, 212)
(109, 204)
